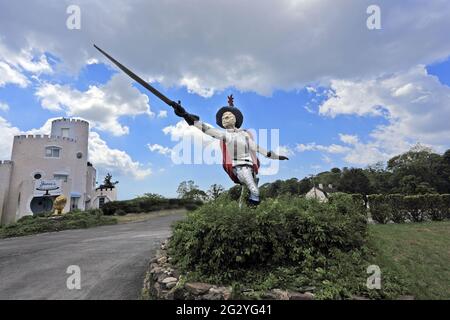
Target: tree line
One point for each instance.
(417, 171)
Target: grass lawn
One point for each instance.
(420, 252)
(138, 217)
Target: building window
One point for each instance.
(74, 203)
(65, 132)
(62, 177)
(101, 202)
(52, 152)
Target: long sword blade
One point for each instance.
(136, 78)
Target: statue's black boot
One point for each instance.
(252, 203)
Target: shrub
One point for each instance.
(120, 212)
(95, 212)
(345, 199)
(221, 241)
(26, 219)
(71, 220)
(380, 209)
(434, 207)
(397, 212)
(446, 204)
(416, 208)
(148, 204)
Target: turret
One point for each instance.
(74, 129)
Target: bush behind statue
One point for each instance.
(222, 241)
(417, 208)
(143, 204)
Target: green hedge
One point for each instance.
(141, 205)
(286, 243)
(356, 198)
(47, 223)
(222, 241)
(417, 208)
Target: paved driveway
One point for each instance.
(112, 261)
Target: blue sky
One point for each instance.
(364, 103)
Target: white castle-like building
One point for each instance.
(43, 167)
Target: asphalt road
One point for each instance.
(112, 261)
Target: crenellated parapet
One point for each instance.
(69, 120)
(42, 137)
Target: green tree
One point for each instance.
(305, 185)
(149, 195)
(215, 191)
(329, 177)
(290, 186)
(354, 180)
(189, 190)
(107, 182)
(379, 178)
(427, 167)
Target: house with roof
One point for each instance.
(320, 192)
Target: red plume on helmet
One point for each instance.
(231, 100)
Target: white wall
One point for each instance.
(5, 177)
(109, 194)
(29, 158)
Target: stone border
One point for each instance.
(164, 282)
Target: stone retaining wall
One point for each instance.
(164, 282)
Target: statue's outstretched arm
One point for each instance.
(210, 130)
(265, 152)
(194, 120)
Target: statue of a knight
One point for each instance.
(238, 147)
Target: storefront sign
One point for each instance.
(47, 188)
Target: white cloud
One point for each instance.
(160, 149)
(14, 63)
(7, 132)
(101, 105)
(334, 148)
(349, 139)
(193, 86)
(114, 160)
(182, 129)
(4, 106)
(10, 75)
(326, 159)
(415, 105)
(26, 59)
(284, 151)
(91, 61)
(286, 46)
(162, 114)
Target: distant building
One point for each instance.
(43, 167)
(320, 193)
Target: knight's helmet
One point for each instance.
(230, 108)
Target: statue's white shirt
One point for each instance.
(238, 142)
